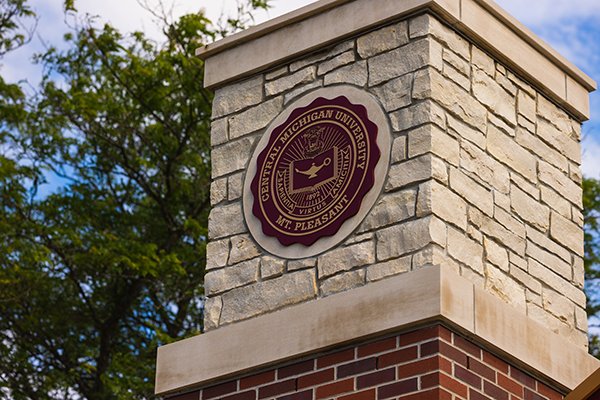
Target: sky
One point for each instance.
(572, 27)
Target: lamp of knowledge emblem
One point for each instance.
(308, 183)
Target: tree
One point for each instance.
(109, 265)
(14, 31)
(591, 213)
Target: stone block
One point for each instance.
(486, 168)
(255, 118)
(556, 282)
(455, 76)
(405, 238)
(431, 255)
(342, 282)
(525, 124)
(396, 93)
(559, 306)
(292, 94)
(439, 170)
(459, 63)
(577, 217)
(581, 319)
(518, 261)
(465, 250)
(390, 209)
(541, 149)
(231, 157)
(218, 191)
(346, 258)
(559, 140)
(533, 285)
(500, 124)
(431, 139)
(338, 49)
(226, 221)
(504, 287)
(521, 84)
(503, 80)
(359, 237)
(429, 25)
(235, 97)
(529, 209)
(437, 199)
(495, 230)
(271, 267)
(578, 272)
(268, 296)
(398, 150)
(490, 93)
(475, 233)
(212, 312)
(482, 61)
(502, 200)
(526, 105)
(336, 62)
(409, 58)
(567, 233)
(221, 280)
(546, 243)
(472, 191)
(430, 84)
(288, 82)
(507, 151)
(385, 269)
(279, 72)
(217, 254)
(530, 188)
(295, 265)
(418, 114)
(354, 74)
(381, 40)
(554, 115)
(242, 248)
(549, 260)
(219, 132)
(575, 173)
(235, 186)
(555, 201)
(464, 131)
(496, 254)
(561, 183)
(510, 222)
(409, 172)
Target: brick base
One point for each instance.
(425, 364)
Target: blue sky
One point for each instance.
(570, 26)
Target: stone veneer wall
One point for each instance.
(484, 177)
(427, 364)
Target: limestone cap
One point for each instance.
(324, 22)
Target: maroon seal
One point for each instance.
(315, 171)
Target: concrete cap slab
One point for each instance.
(396, 304)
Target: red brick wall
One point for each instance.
(429, 363)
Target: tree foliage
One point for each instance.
(14, 28)
(98, 272)
(591, 212)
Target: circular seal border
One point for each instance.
(377, 115)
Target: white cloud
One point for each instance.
(591, 157)
(543, 12)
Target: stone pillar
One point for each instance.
(453, 266)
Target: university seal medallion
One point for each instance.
(313, 170)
